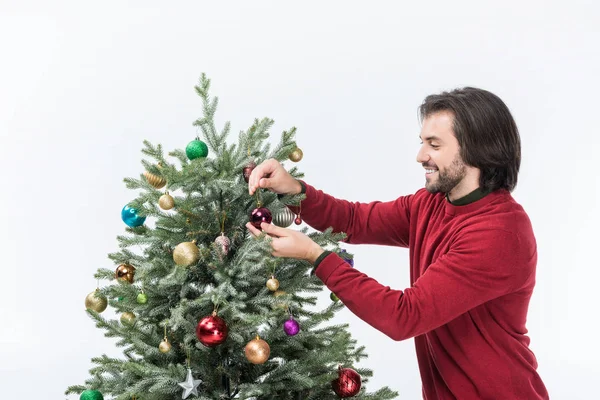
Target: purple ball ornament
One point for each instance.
(345, 256)
(291, 327)
(260, 215)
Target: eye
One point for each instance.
(435, 146)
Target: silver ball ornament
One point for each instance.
(284, 218)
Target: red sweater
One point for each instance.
(472, 273)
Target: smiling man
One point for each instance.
(473, 253)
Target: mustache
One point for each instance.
(429, 166)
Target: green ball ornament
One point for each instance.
(91, 395)
(196, 149)
(333, 297)
(142, 298)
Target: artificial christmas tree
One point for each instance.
(205, 310)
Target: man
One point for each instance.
(472, 252)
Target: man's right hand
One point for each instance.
(271, 175)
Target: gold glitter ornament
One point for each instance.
(257, 351)
(281, 304)
(273, 284)
(186, 254)
(128, 318)
(296, 155)
(164, 346)
(155, 180)
(96, 301)
(166, 201)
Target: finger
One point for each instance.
(253, 230)
(259, 172)
(264, 183)
(273, 229)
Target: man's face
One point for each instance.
(439, 154)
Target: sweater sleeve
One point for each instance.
(382, 223)
(471, 273)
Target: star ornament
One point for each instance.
(190, 385)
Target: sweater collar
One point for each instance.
(475, 195)
(473, 201)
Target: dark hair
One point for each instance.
(487, 134)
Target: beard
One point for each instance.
(448, 178)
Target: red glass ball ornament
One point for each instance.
(260, 215)
(347, 384)
(298, 221)
(248, 170)
(211, 331)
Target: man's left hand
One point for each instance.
(289, 243)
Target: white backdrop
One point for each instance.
(82, 86)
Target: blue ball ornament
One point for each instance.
(130, 216)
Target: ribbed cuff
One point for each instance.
(319, 259)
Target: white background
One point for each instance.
(81, 86)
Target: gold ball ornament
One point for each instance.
(296, 155)
(128, 318)
(279, 304)
(164, 346)
(96, 301)
(125, 272)
(166, 201)
(273, 284)
(257, 351)
(186, 254)
(155, 180)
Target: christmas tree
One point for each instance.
(205, 311)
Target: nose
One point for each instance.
(422, 156)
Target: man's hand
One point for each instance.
(271, 175)
(289, 243)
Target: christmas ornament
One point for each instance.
(296, 155)
(223, 244)
(91, 395)
(125, 272)
(212, 330)
(131, 217)
(260, 215)
(291, 327)
(298, 220)
(96, 301)
(284, 218)
(248, 170)
(346, 257)
(347, 384)
(333, 297)
(273, 284)
(257, 351)
(128, 318)
(166, 201)
(279, 304)
(155, 180)
(196, 149)
(164, 346)
(142, 298)
(189, 385)
(186, 254)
